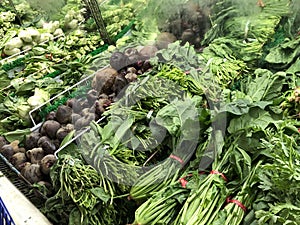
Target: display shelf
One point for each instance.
(20, 208)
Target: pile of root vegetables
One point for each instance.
(177, 136)
(36, 155)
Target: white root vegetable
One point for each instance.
(11, 51)
(13, 43)
(35, 34)
(51, 26)
(58, 32)
(46, 37)
(25, 36)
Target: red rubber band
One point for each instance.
(188, 71)
(176, 158)
(183, 182)
(238, 203)
(219, 173)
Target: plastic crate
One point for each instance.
(5, 218)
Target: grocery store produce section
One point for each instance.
(144, 112)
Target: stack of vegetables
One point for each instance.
(59, 57)
(199, 131)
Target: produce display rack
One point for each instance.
(19, 62)
(59, 99)
(21, 183)
(22, 56)
(85, 81)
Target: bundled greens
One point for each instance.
(208, 135)
(90, 199)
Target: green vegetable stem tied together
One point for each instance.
(236, 208)
(163, 207)
(207, 198)
(155, 179)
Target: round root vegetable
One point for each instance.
(35, 155)
(47, 145)
(119, 84)
(131, 77)
(86, 111)
(72, 103)
(32, 172)
(15, 146)
(75, 117)
(64, 131)
(18, 159)
(101, 104)
(46, 163)
(92, 96)
(164, 39)
(63, 114)
(51, 116)
(77, 105)
(49, 128)
(7, 151)
(2, 141)
(84, 121)
(104, 80)
(148, 51)
(119, 60)
(31, 140)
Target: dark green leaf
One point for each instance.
(101, 194)
(257, 118)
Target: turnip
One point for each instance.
(31, 140)
(2, 141)
(64, 131)
(49, 128)
(47, 145)
(63, 114)
(7, 151)
(104, 80)
(35, 155)
(46, 163)
(18, 159)
(32, 172)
